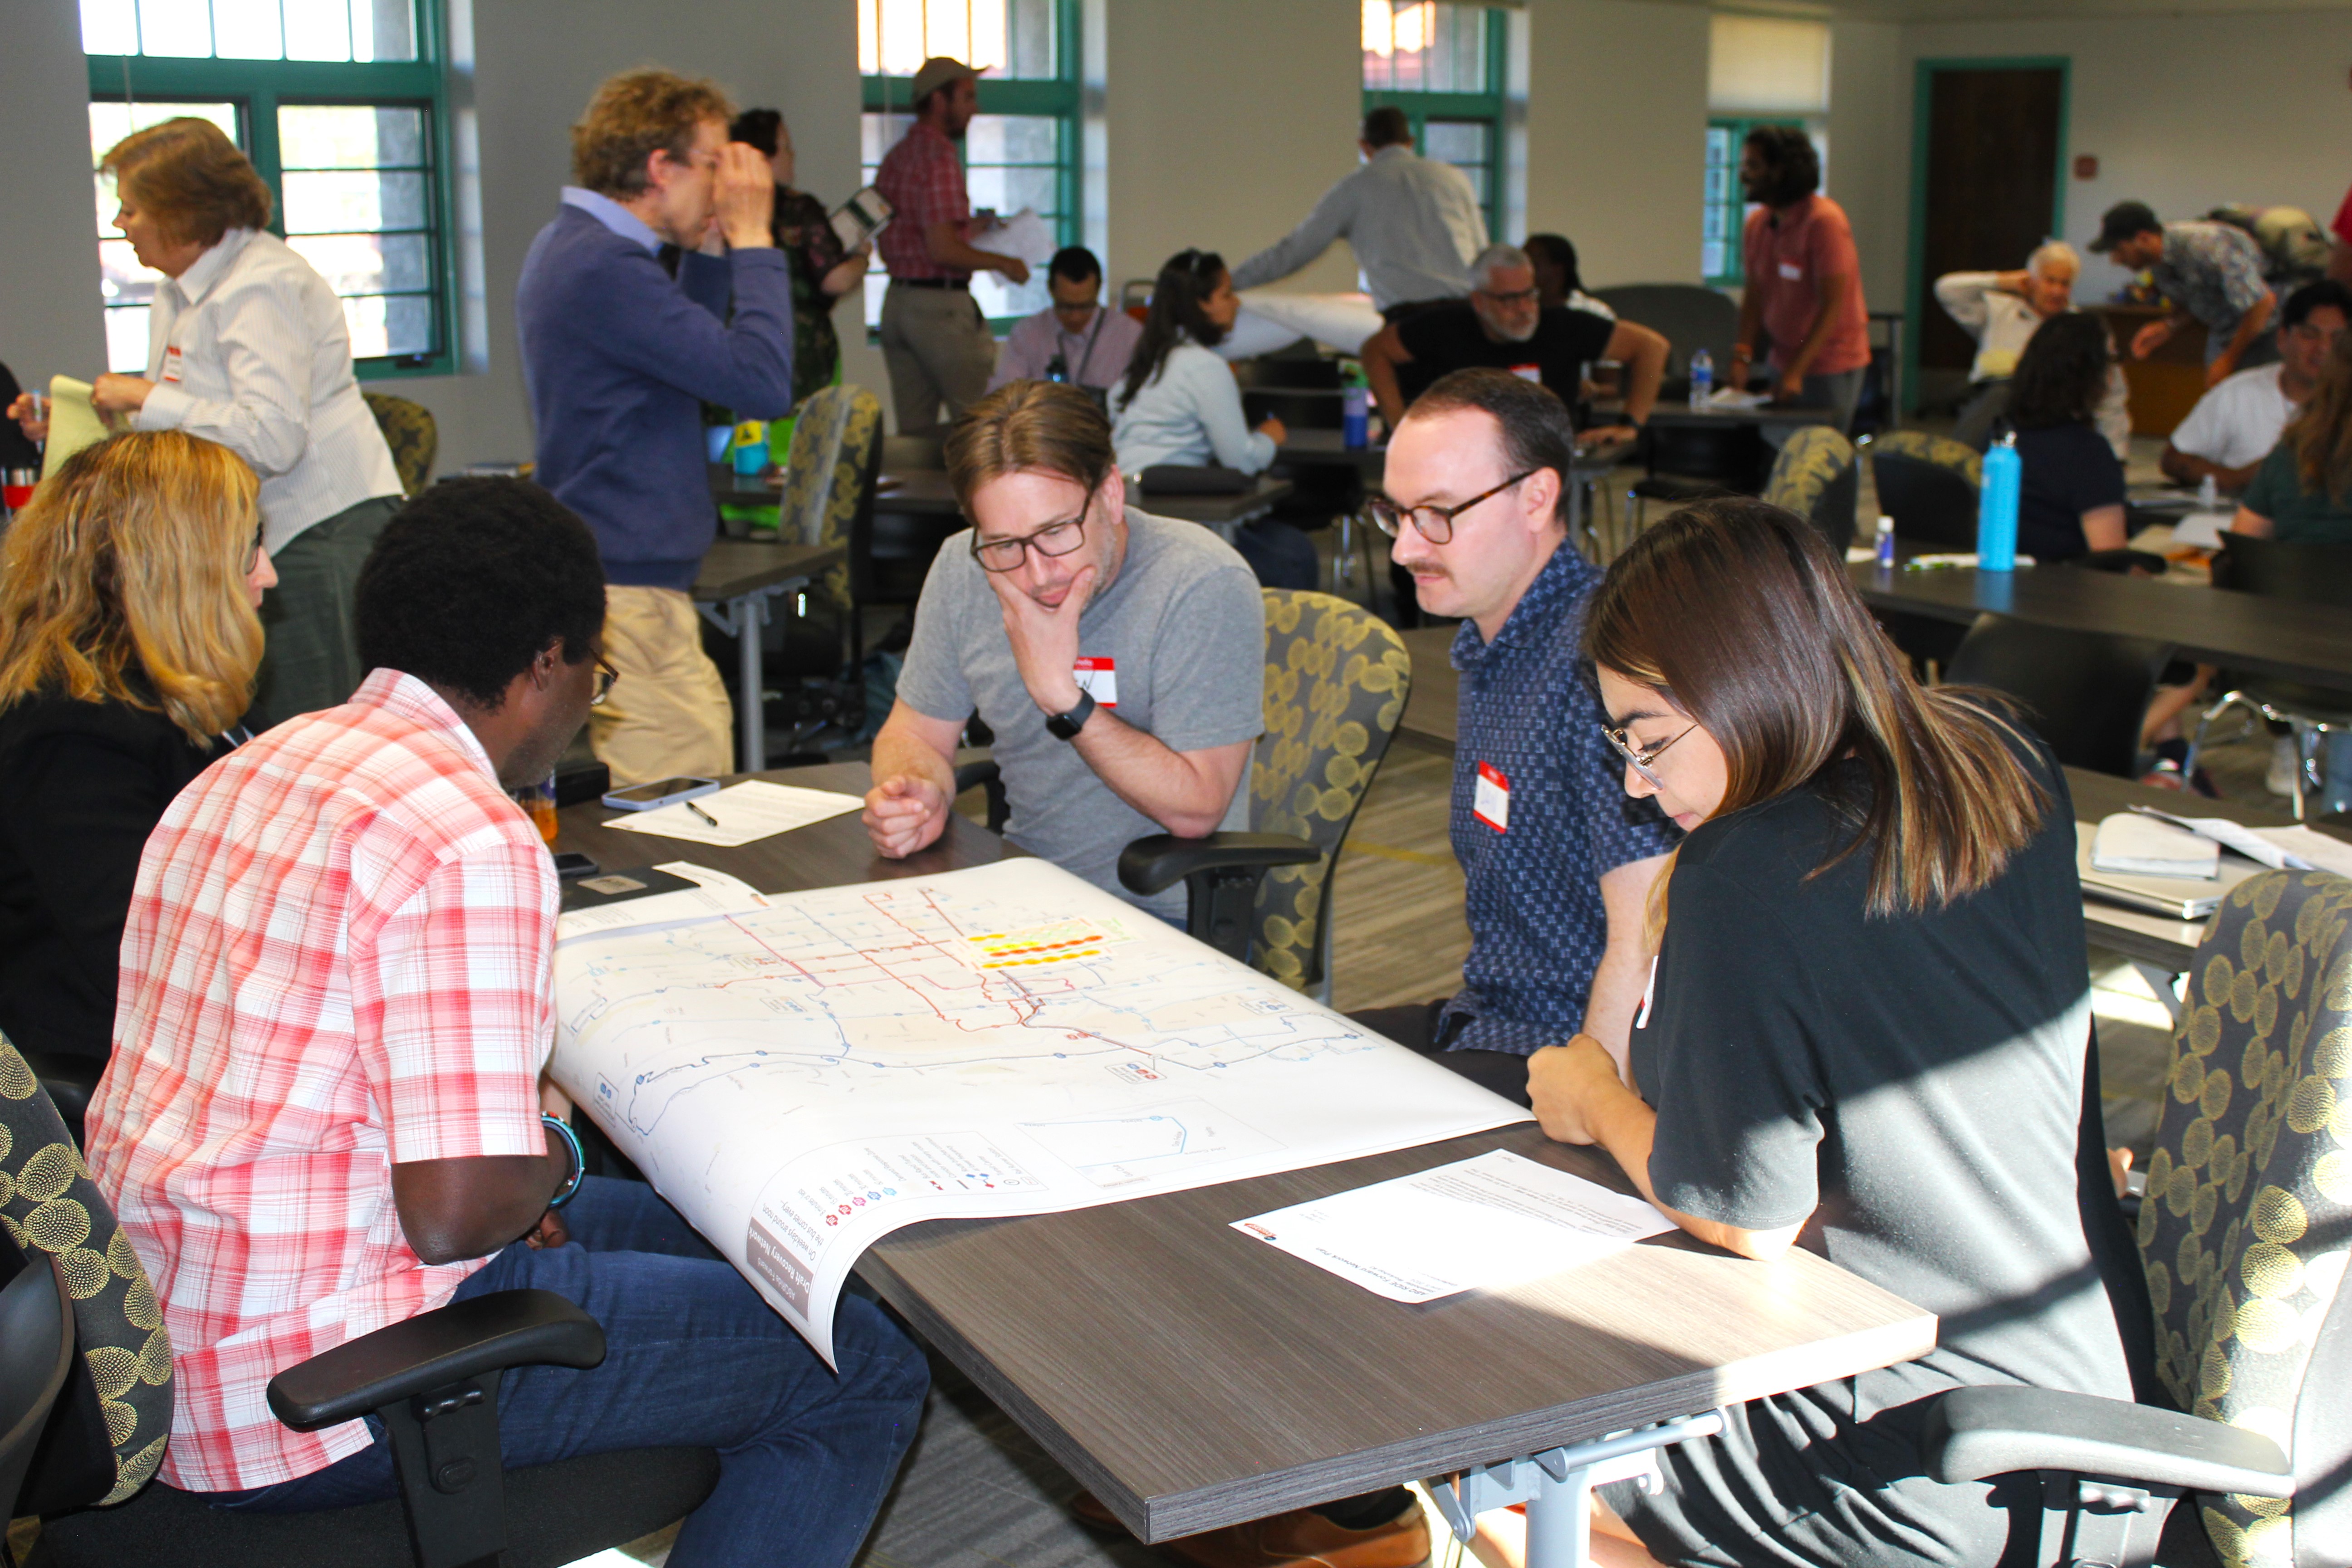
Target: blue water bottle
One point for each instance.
(1355, 415)
(1997, 508)
(1702, 377)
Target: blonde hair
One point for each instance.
(635, 115)
(1030, 427)
(124, 582)
(190, 177)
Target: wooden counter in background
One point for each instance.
(2167, 384)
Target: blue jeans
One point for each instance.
(693, 1357)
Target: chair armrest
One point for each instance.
(1162, 860)
(432, 1350)
(978, 774)
(1973, 1433)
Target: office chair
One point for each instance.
(828, 499)
(1816, 476)
(410, 431)
(1336, 682)
(1927, 484)
(2308, 573)
(432, 1380)
(2245, 1234)
(2083, 692)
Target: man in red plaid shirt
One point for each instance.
(934, 340)
(323, 1115)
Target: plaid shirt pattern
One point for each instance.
(923, 182)
(337, 958)
(2212, 270)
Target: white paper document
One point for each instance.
(2280, 848)
(1492, 1220)
(746, 813)
(716, 893)
(802, 1079)
(74, 423)
(1022, 235)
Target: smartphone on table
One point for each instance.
(661, 791)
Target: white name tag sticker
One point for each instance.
(1490, 802)
(1098, 679)
(1791, 272)
(1529, 373)
(172, 363)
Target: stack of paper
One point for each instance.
(2280, 848)
(740, 813)
(2150, 846)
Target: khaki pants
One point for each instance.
(668, 712)
(937, 350)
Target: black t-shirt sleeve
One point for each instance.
(1577, 335)
(16, 452)
(1729, 1066)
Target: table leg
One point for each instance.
(1559, 1521)
(1556, 1487)
(750, 613)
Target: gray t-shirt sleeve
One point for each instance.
(932, 680)
(1208, 668)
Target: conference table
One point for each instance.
(736, 589)
(2247, 633)
(1193, 1377)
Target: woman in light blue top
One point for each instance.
(1179, 402)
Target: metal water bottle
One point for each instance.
(1997, 506)
(1702, 378)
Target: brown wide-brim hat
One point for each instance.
(938, 71)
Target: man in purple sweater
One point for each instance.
(618, 359)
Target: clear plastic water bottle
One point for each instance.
(1997, 506)
(1702, 378)
(1886, 542)
(2208, 494)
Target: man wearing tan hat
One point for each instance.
(934, 339)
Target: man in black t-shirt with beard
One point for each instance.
(1503, 326)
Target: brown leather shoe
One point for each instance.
(1305, 1539)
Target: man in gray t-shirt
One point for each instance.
(1117, 657)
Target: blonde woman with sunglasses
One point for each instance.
(128, 637)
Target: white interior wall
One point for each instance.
(1616, 135)
(1870, 151)
(2182, 112)
(48, 247)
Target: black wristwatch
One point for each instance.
(1065, 726)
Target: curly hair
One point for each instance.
(1793, 165)
(473, 579)
(2063, 373)
(190, 177)
(635, 115)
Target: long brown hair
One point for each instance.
(124, 582)
(2321, 436)
(1738, 612)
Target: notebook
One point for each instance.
(2140, 845)
(2174, 898)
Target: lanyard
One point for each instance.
(1079, 376)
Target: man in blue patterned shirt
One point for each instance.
(2213, 271)
(1559, 861)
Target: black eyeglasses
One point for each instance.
(606, 675)
(1053, 538)
(1435, 524)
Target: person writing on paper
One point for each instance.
(2237, 421)
(2071, 494)
(1076, 340)
(324, 1114)
(1857, 1040)
(128, 644)
(1178, 402)
(2303, 491)
(1117, 657)
(1803, 309)
(821, 270)
(935, 343)
(248, 346)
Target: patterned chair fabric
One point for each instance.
(48, 1204)
(834, 441)
(1336, 681)
(409, 430)
(1940, 450)
(1805, 481)
(2248, 1219)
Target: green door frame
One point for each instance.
(1915, 289)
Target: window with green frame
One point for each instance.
(1720, 261)
(340, 105)
(1444, 64)
(1022, 148)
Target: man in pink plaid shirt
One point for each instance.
(935, 341)
(323, 1115)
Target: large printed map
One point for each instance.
(802, 1078)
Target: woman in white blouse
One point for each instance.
(248, 347)
(1179, 402)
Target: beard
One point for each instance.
(1508, 335)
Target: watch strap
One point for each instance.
(1065, 726)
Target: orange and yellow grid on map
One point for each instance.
(1062, 941)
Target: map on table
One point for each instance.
(803, 1077)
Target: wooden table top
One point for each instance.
(1196, 1377)
(2247, 633)
(734, 567)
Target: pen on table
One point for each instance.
(702, 814)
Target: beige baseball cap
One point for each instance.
(938, 71)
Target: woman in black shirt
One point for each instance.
(2070, 501)
(128, 642)
(1867, 1033)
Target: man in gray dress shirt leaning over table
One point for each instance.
(1117, 657)
(1413, 223)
